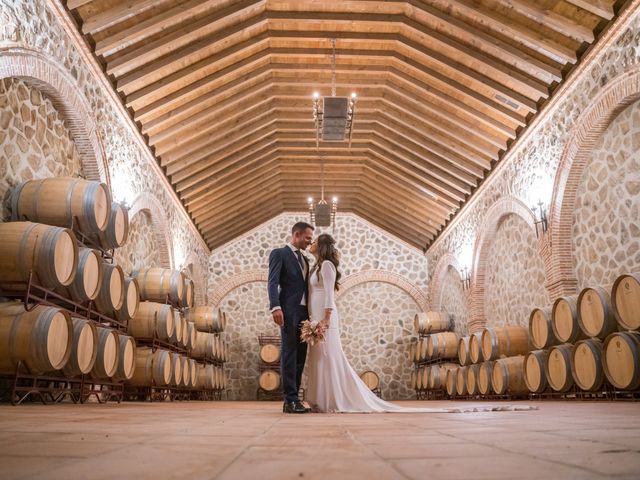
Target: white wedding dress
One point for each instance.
(332, 385)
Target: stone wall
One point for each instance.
(528, 172)
(515, 275)
(28, 26)
(377, 315)
(454, 300)
(606, 221)
(34, 140)
(141, 249)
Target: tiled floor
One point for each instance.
(251, 440)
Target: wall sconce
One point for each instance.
(466, 278)
(542, 221)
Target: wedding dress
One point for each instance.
(333, 385)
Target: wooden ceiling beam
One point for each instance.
(162, 21)
(600, 8)
(550, 19)
(192, 39)
(73, 4)
(416, 239)
(118, 13)
(244, 221)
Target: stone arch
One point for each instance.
(149, 203)
(503, 207)
(194, 266)
(386, 277)
(223, 288)
(435, 292)
(621, 92)
(45, 74)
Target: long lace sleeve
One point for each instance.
(328, 272)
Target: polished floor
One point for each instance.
(252, 440)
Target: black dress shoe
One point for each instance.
(294, 407)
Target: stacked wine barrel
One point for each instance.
(433, 352)
(269, 381)
(588, 342)
(50, 241)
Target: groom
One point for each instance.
(288, 287)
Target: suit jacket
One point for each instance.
(287, 283)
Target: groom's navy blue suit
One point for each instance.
(287, 285)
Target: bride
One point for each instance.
(333, 386)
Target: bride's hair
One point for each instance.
(326, 246)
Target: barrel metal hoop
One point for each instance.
(69, 209)
(15, 202)
(88, 200)
(22, 254)
(14, 330)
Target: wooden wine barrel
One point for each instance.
(370, 379)
(432, 322)
(176, 336)
(223, 377)
(423, 349)
(206, 377)
(111, 295)
(130, 301)
(217, 378)
(191, 335)
(158, 284)
(485, 373)
(412, 351)
(193, 371)
(269, 380)
(595, 314)
(152, 368)
(461, 381)
(535, 367)
(564, 320)
(108, 354)
(450, 382)
(438, 375)
(507, 341)
(413, 380)
(41, 339)
(84, 348)
(443, 345)
(541, 328)
(475, 347)
(86, 284)
(127, 358)
(621, 360)
(425, 378)
(185, 331)
(189, 294)
(205, 318)
(625, 300)
(472, 379)
(51, 253)
(418, 372)
(153, 320)
(508, 376)
(186, 371)
(204, 347)
(176, 369)
(63, 201)
(586, 364)
(463, 351)
(559, 368)
(270, 353)
(116, 233)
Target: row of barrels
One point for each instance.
(436, 346)
(269, 380)
(596, 312)
(492, 343)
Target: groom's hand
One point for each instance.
(278, 317)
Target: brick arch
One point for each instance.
(384, 276)
(223, 288)
(48, 76)
(194, 267)
(150, 204)
(435, 292)
(503, 207)
(617, 95)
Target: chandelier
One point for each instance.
(333, 120)
(322, 214)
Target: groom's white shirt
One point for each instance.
(304, 274)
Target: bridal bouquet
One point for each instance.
(311, 333)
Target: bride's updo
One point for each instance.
(326, 250)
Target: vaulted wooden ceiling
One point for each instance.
(222, 91)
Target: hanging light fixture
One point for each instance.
(322, 214)
(333, 120)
